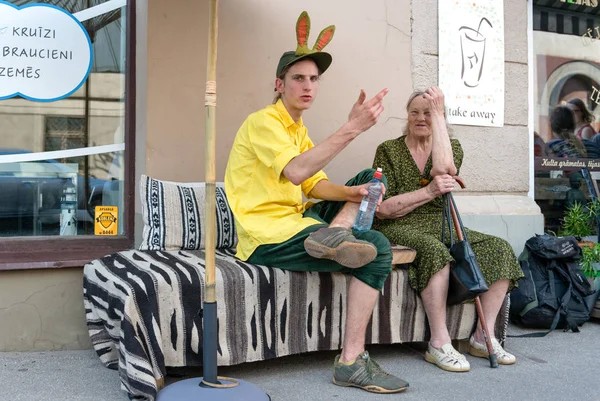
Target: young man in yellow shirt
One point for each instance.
(272, 162)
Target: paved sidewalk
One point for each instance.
(561, 366)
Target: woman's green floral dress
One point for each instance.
(421, 229)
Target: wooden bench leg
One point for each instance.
(160, 383)
(461, 346)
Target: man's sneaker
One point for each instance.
(365, 373)
(447, 358)
(338, 244)
(480, 350)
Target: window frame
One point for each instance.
(22, 253)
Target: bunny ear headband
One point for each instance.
(322, 59)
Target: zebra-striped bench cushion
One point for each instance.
(142, 313)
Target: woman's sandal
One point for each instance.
(447, 358)
(480, 350)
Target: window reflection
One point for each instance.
(567, 116)
(40, 195)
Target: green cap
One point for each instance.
(321, 59)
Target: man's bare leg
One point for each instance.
(350, 369)
(360, 303)
(337, 243)
(361, 297)
(345, 218)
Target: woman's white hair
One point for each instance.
(412, 97)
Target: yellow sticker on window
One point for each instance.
(105, 221)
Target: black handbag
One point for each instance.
(466, 280)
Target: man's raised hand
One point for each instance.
(361, 99)
(365, 114)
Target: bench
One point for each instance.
(142, 305)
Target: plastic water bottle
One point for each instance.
(366, 211)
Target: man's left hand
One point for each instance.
(357, 193)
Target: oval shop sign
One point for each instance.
(45, 52)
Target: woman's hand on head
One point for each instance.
(440, 185)
(435, 98)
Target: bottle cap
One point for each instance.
(378, 173)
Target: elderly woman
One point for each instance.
(420, 166)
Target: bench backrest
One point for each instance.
(174, 218)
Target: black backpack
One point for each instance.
(554, 292)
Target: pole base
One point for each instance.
(194, 390)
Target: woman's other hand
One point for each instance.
(435, 98)
(440, 185)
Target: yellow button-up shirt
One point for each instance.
(267, 206)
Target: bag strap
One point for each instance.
(583, 287)
(562, 307)
(566, 298)
(443, 220)
(446, 220)
(460, 223)
(525, 266)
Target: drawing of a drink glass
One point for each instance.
(472, 47)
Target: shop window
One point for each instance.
(567, 111)
(67, 160)
(64, 133)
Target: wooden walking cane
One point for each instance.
(486, 334)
